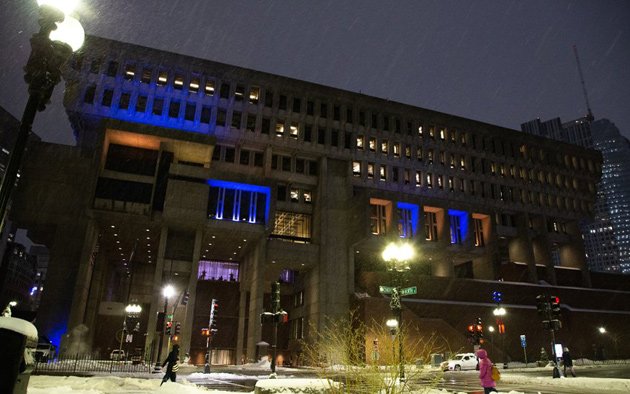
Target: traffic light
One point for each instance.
(471, 328)
(185, 297)
(178, 328)
(501, 328)
(555, 306)
(205, 332)
(541, 305)
(169, 327)
(275, 296)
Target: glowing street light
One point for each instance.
(602, 330)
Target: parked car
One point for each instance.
(460, 362)
(117, 355)
(45, 351)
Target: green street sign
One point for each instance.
(385, 290)
(409, 291)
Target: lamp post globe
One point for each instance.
(602, 330)
(168, 291)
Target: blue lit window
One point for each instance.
(407, 219)
(458, 225)
(238, 202)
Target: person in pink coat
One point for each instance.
(485, 372)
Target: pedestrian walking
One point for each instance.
(485, 372)
(172, 365)
(567, 361)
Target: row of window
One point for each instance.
(407, 215)
(471, 187)
(366, 118)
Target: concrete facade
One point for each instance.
(184, 163)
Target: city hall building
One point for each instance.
(220, 180)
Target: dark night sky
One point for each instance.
(502, 62)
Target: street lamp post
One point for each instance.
(131, 311)
(59, 35)
(500, 312)
(491, 330)
(397, 257)
(168, 291)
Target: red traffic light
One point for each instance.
(501, 328)
(479, 327)
(554, 300)
(471, 328)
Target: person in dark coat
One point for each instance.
(485, 372)
(567, 360)
(172, 365)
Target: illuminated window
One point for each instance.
(384, 146)
(408, 152)
(418, 178)
(462, 163)
(360, 141)
(239, 93)
(442, 134)
(396, 149)
(383, 172)
(378, 218)
(279, 129)
(237, 202)
(209, 88)
(218, 270)
(293, 132)
(451, 184)
(439, 181)
(430, 156)
(162, 78)
(420, 130)
(370, 170)
(432, 132)
(406, 176)
(430, 226)
(419, 153)
(429, 180)
(292, 227)
(456, 231)
(372, 144)
(308, 197)
(407, 217)
(178, 82)
(193, 86)
(130, 72)
(452, 161)
(478, 226)
(254, 94)
(294, 194)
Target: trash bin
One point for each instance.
(19, 339)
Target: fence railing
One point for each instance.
(87, 363)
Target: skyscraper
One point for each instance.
(607, 236)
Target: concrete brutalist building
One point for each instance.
(219, 180)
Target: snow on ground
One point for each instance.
(106, 384)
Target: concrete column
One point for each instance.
(240, 335)
(94, 299)
(256, 268)
(84, 276)
(542, 253)
(157, 303)
(187, 326)
(521, 247)
(441, 265)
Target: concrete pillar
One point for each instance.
(187, 326)
(84, 276)
(441, 265)
(542, 252)
(240, 335)
(157, 302)
(256, 268)
(521, 247)
(94, 299)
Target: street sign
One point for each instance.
(409, 291)
(523, 341)
(385, 290)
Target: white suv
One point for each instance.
(460, 361)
